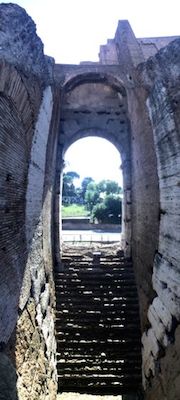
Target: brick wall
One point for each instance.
(27, 344)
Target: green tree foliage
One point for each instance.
(84, 184)
(107, 186)
(69, 190)
(109, 210)
(92, 196)
(101, 199)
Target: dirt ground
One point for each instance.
(77, 396)
(86, 249)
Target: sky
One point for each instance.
(79, 158)
(73, 30)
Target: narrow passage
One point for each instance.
(97, 323)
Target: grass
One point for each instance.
(74, 210)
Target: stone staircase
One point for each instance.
(97, 325)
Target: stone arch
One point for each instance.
(104, 77)
(112, 125)
(96, 132)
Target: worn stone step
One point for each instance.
(104, 282)
(99, 331)
(93, 306)
(96, 274)
(95, 260)
(101, 390)
(95, 369)
(82, 290)
(99, 357)
(99, 267)
(120, 324)
(100, 287)
(92, 345)
(83, 363)
(97, 325)
(98, 314)
(98, 379)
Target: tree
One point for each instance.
(112, 187)
(84, 184)
(92, 196)
(69, 190)
(109, 211)
(107, 186)
(72, 174)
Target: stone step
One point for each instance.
(92, 345)
(84, 363)
(97, 370)
(101, 326)
(77, 306)
(123, 273)
(72, 355)
(97, 325)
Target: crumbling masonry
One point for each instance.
(132, 98)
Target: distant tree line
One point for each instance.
(102, 200)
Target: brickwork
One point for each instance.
(27, 351)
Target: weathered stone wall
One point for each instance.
(161, 76)
(144, 181)
(153, 107)
(27, 350)
(145, 199)
(108, 53)
(150, 46)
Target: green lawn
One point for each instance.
(74, 210)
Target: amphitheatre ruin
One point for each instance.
(99, 323)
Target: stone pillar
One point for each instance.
(126, 208)
(57, 206)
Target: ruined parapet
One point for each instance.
(150, 46)
(128, 51)
(20, 45)
(108, 53)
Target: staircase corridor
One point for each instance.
(97, 325)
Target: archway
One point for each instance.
(95, 104)
(93, 211)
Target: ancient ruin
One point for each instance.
(132, 98)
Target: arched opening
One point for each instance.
(95, 290)
(92, 211)
(94, 104)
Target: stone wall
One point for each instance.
(150, 46)
(27, 348)
(145, 199)
(161, 77)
